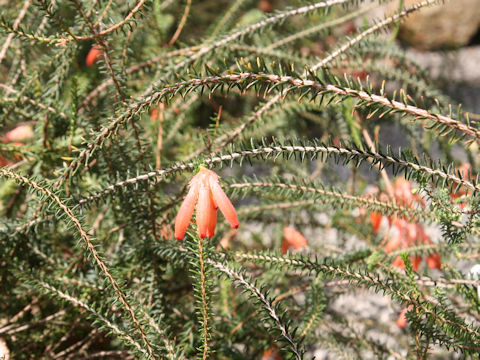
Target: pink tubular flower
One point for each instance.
(376, 219)
(19, 134)
(402, 318)
(205, 191)
(93, 55)
(292, 238)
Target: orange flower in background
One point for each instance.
(405, 234)
(414, 260)
(206, 193)
(394, 243)
(434, 261)
(93, 55)
(292, 239)
(3, 161)
(224, 242)
(19, 134)
(465, 171)
(398, 262)
(402, 190)
(376, 219)
(154, 114)
(265, 6)
(16, 137)
(271, 354)
(402, 317)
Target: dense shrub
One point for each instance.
(339, 154)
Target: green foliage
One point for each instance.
(89, 267)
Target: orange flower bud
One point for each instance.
(292, 238)
(93, 55)
(376, 219)
(19, 134)
(402, 319)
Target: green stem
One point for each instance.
(204, 304)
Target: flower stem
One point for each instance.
(203, 293)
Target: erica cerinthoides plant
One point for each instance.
(106, 107)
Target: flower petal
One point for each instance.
(203, 210)
(293, 238)
(398, 262)
(434, 261)
(212, 220)
(93, 55)
(185, 212)
(376, 219)
(393, 243)
(415, 260)
(19, 134)
(402, 319)
(223, 203)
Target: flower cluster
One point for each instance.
(204, 192)
(406, 234)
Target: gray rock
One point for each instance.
(459, 70)
(442, 26)
(462, 65)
